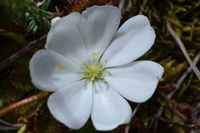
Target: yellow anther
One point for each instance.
(95, 53)
(93, 71)
(60, 67)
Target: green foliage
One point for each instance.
(21, 16)
(27, 14)
(46, 4)
(22, 129)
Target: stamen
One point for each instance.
(93, 71)
(60, 67)
(96, 53)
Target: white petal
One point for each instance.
(54, 20)
(136, 81)
(51, 71)
(72, 106)
(134, 38)
(65, 38)
(98, 26)
(109, 109)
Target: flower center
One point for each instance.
(93, 71)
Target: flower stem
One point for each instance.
(23, 102)
(183, 49)
(13, 57)
(133, 114)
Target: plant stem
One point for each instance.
(183, 49)
(133, 114)
(121, 4)
(178, 84)
(23, 102)
(31, 45)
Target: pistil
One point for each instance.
(93, 71)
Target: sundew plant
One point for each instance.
(94, 66)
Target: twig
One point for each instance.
(182, 47)
(143, 5)
(182, 78)
(133, 114)
(184, 75)
(170, 102)
(57, 10)
(31, 45)
(121, 4)
(8, 126)
(23, 102)
(178, 123)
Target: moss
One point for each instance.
(15, 82)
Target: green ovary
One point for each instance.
(93, 71)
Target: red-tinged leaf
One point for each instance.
(169, 89)
(80, 5)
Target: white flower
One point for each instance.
(87, 61)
